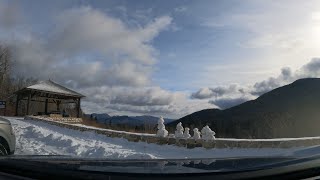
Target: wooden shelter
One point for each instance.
(47, 92)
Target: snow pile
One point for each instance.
(186, 133)
(196, 134)
(179, 131)
(207, 133)
(162, 132)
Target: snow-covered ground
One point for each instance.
(40, 138)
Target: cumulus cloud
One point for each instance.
(85, 29)
(150, 96)
(97, 74)
(100, 56)
(205, 93)
(227, 102)
(88, 47)
(228, 96)
(311, 69)
(151, 100)
(220, 91)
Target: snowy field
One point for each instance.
(40, 138)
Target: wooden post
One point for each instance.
(46, 107)
(58, 102)
(17, 105)
(28, 103)
(78, 108)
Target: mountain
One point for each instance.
(128, 120)
(100, 117)
(152, 119)
(114, 120)
(289, 111)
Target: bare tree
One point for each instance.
(5, 64)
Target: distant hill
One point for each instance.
(152, 119)
(124, 120)
(100, 118)
(127, 120)
(289, 111)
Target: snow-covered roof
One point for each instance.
(50, 86)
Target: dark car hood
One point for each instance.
(301, 163)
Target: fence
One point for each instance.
(190, 143)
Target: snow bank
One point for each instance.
(41, 138)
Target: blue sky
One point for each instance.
(160, 57)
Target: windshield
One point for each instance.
(200, 82)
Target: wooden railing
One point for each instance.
(189, 143)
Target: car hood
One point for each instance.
(4, 121)
(273, 167)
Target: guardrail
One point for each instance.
(191, 143)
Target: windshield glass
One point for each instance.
(199, 82)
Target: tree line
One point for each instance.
(9, 80)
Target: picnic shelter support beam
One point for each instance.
(17, 105)
(78, 107)
(28, 103)
(46, 107)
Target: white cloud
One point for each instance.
(149, 96)
(278, 33)
(88, 47)
(224, 103)
(103, 58)
(228, 96)
(85, 29)
(203, 93)
(153, 29)
(149, 100)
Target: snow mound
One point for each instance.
(207, 133)
(196, 134)
(162, 132)
(179, 131)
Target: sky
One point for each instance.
(163, 58)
